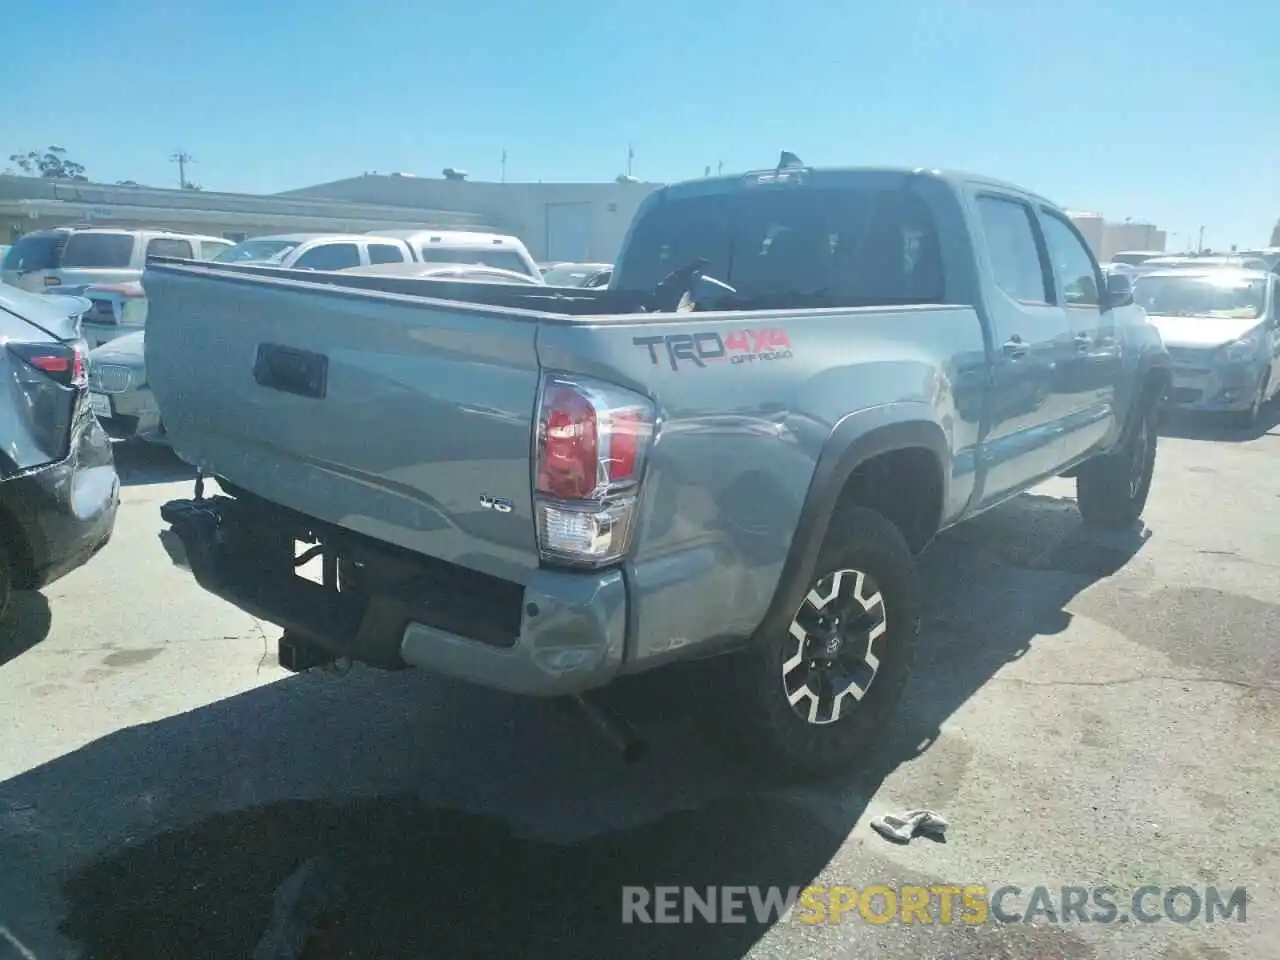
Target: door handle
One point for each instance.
(1083, 341)
(1015, 347)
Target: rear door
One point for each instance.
(1027, 402)
(31, 263)
(1091, 369)
(100, 256)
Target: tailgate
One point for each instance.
(389, 415)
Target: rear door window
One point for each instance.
(170, 247)
(330, 256)
(386, 253)
(99, 250)
(35, 252)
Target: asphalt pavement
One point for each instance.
(1087, 710)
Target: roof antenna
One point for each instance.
(788, 159)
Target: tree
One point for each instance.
(1275, 235)
(52, 164)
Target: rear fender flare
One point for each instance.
(855, 440)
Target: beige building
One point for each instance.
(34, 203)
(556, 221)
(1107, 238)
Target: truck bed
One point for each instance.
(366, 403)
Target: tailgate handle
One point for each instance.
(290, 370)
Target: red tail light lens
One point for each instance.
(592, 439)
(569, 463)
(64, 363)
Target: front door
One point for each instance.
(1091, 369)
(1026, 403)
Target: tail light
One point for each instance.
(592, 440)
(66, 364)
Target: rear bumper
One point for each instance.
(562, 633)
(134, 413)
(65, 511)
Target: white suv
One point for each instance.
(67, 259)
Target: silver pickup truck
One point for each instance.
(796, 378)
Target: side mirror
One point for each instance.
(1119, 290)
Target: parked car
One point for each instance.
(446, 271)
(1269, 255)
(578, 275)
(465, 246)
(115, 310)
(119, 393)
(1135, 258)
(71, 258)
(839, 364)
(1205, 261)
(58, 485)
(1222, 329)
(317, 251)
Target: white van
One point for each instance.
(71, 258)
(463, 246)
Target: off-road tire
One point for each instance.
(1112, 489)
(760, 718)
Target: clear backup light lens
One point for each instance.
(591, 443)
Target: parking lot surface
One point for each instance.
(1088, 709)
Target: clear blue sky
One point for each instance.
(1163, 110)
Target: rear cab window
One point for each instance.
(211, 248)
(329, 256)
(99, 250)
(475, 256)
(794, 246)
(169, 247)
(386, 253)
(36, 251)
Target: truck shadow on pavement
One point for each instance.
(27, 625)
(140, 463)
(467, 823)
(1188, 426)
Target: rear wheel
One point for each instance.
(1112, 490)
(808, 701)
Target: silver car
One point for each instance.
(119, 393)
(1222, 330)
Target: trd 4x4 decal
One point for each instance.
(738, 347)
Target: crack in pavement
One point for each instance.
(1159, 678)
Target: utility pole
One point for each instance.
(719, 167)
(631, 155)
(1200, 242)
(181, 158)
(504, 165)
